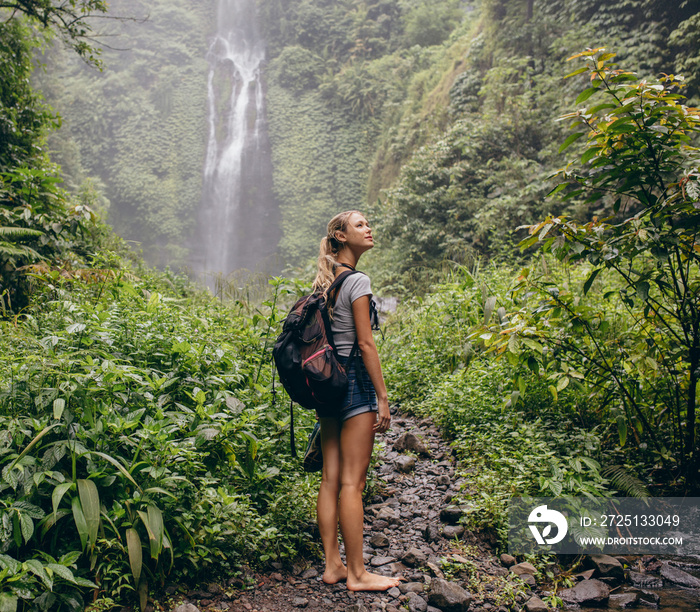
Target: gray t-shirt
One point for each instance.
(343, 323)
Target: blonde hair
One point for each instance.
(329, 249)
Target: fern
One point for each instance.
(19, 233)
(9, 250)
(625, 482)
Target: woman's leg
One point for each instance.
(356, 441)
(327, 504)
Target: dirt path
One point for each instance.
(411, 530)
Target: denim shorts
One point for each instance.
(361, 396)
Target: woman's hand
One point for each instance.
(383, 417)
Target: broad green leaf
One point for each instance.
(553, 391)
(8, 603)
(59, 405)
(133, 543)
(562, 383)
(590, 279)
(642, 288)
(622, 429)
(577, 72)
(10, 564)
(58, 494)
(585, 94)
(143, 595)
(62, 571)
(590, 154)
(557, 189)
(570, 140)
(36, 567)
(80, 522)
(532, 344)
(489, 307)
(90, 503)
(155, 519)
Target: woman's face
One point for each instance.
(357, 234)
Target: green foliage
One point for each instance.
(319, 158)
(429, 23)
(70, 20)
(629, 334)
(436, 366)
(37, 220)
(140, 127)
(336, 70)
(458, 198)
(140, 443)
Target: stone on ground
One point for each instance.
(588, 592)
(607, 567)
(448, 596)
(678, 576)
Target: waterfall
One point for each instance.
(238, 215)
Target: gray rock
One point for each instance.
(393, 592)
(587, 575)
(452, 531)
(624, 600)
(379, 561)
(649, 598)
(508, 560)
(414, 558)
(405, 464)
(678, 576)
(312, 572)
(379, 540)
(607, 567)
(451, 514)
(535, 604)
(357, 607)
(300, 602)
(416, 603)
(588, 592)
(528, 579)
(448, 596)
(431, 533)
(523, 568)
(443, 481)
(409, 441)
(411, 587)
(645, 581)
(389, 515)
(186, 607)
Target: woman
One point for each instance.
(347, 440)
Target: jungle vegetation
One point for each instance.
(537, 217)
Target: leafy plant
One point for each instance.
(638, 161)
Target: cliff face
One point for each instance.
(438, 118)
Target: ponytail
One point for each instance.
(325, 266)
(328, 251)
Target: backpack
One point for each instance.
(305, 354)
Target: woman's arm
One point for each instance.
(370, 357)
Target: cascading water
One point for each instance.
(239, 216)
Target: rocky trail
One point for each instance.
(412, 529)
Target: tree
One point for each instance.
(70, 19)
(639, 355)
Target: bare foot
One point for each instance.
(373, 582)
(335, 574)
